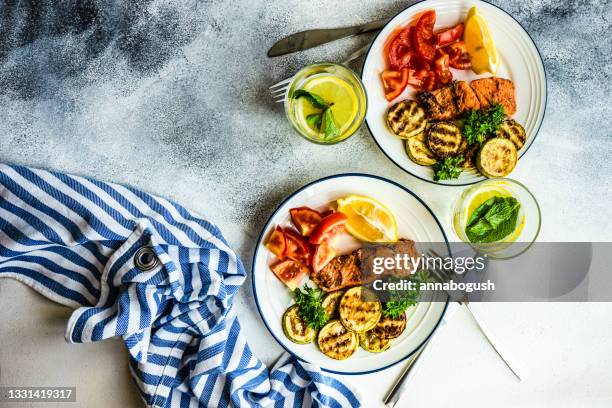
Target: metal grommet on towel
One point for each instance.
(145, 259)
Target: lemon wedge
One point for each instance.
(368, 220)
(480, 44)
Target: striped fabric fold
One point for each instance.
(74, 240)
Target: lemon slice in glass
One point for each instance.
(368, 220)
(480, 44)
(333, 90)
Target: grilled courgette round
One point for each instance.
(390, 328)
(357, 312)
(512, 130)
(336, 342)
(469, 157)
(295, 328)
(444, 139)
(330, 303)
(497, 157)
(406, 119)
(372, 343)
(419, 152)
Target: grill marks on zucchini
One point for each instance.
(444, 139)
(295, 328)
(419, 152)
(497, 157)
(336, 342)
(406, 119)
(356, 313)
(390, 328)
(330, 303)
(372, 343)
(513, 131)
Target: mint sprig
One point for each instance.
(324, 119)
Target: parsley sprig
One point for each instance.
(449, 168)
(401, 300)
(479, 124)
(324, 120)
(310, 306)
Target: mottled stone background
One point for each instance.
(171, 97)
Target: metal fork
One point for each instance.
(279, 89)
(444, 275)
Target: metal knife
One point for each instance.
(312, 38)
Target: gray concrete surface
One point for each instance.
(171, 97)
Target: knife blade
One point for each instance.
(312, 38)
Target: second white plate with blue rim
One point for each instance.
(415, 221)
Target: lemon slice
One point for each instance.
(368, 219)
(333, 90)
(480, 44)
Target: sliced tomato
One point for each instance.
(423, 38)
(290, 272)
(277, 243)
(400, 49)
(305, 219)
(458, 55)
(449, 35)
(321, 256)
(297, 248)
(329, 226)
(443, 73)
(394, 83)
(425, 24)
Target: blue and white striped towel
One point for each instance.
(74, 240)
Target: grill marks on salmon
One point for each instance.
(495, 90)
(455, 99)
(346, 270)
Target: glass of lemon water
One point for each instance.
(340, 88)
(528, 223)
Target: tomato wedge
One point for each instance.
(423, 38)
(443, 73)
(297, 248)
(321, 256)
(394, 83)
(329, 226)
(449, 35)
(459, 58)
(400, 49)
(305, 219)
(290, 272)
(277, 243)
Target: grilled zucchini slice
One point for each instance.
(444, 139)
(406, 119)
(390, 328)
(295, 328)
(372, 343)
(336, 342)
(512, 130)
(419, 152)
(469, 156)
(330, 303)
(359, 314)
(497, 157)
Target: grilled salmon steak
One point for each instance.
(455, 99)
(346, 270)
(495, 90)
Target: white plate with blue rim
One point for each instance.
(415, 221)
(520, 61)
